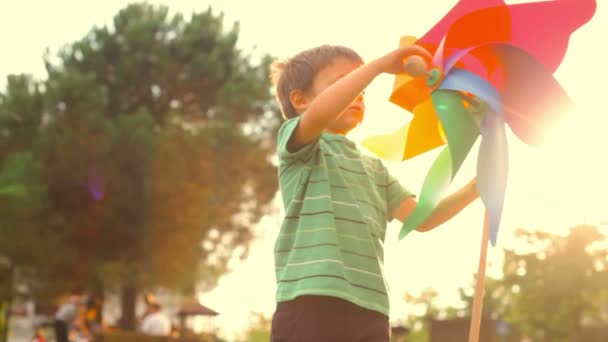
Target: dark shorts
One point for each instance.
(327, 319)
(61, 331)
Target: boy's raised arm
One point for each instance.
(327, 105)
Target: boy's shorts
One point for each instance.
(327, 319)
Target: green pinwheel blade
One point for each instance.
(458, 123)
(435, 183)
(462, 131)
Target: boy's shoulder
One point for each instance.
(375, 164)
(369, 158)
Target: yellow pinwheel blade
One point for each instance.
(422, 134)
(425, 132)
(388, 146)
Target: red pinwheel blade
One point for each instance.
(533, 100)
(434, 36)
(540, 28)
(525, 93)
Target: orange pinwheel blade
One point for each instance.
(425, 132)
(409, 91)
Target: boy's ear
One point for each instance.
(299, 100)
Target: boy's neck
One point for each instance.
(329, 131)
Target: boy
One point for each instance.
(329, 252)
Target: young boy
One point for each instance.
(329, 252)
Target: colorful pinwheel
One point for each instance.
(492, 65)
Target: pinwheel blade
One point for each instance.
(462, 8)
(532, 98)
(542, 28)
(459, 125)
(424, 133)
(420, 135)
(462, 132)
(409, 91)
(389, 146)
(435, 184)
(492, 169)
(454, 58)
(439, 53)
(459, 79)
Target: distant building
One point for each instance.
(457, 330)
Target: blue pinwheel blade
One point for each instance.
(462, 80)
(492, 169)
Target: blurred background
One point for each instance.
(138, 178)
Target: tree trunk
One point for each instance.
(98, 301)
(6, 303)
(127, 303)
(5, 310)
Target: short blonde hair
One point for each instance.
(299, 71)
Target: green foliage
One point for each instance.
(21, 112)
(424, 308)
(259, 328)
(3, 320)
(142, 160)
(553, 286)
(258, 335)
(552, 289)
(13, 175)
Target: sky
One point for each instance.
(550, 188)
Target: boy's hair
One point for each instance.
(299, 71)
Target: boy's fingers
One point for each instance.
(415, 65)
(411, 50)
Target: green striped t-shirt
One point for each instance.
(337, 203)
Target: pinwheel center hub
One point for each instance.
(433, 77)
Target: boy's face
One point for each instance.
(353, 114)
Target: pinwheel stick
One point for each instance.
(479, 286)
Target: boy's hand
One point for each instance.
(472, 186)
(394, 62)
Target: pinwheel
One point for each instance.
(492, 67)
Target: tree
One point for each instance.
(259, 329)
(19, 198)
(153, 141)
(21, 112)
(425, 309)
(554, 286)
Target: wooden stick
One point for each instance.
(479, 286)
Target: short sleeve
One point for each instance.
(395, 194)
(284, 135)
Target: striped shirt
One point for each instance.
(337, 203)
